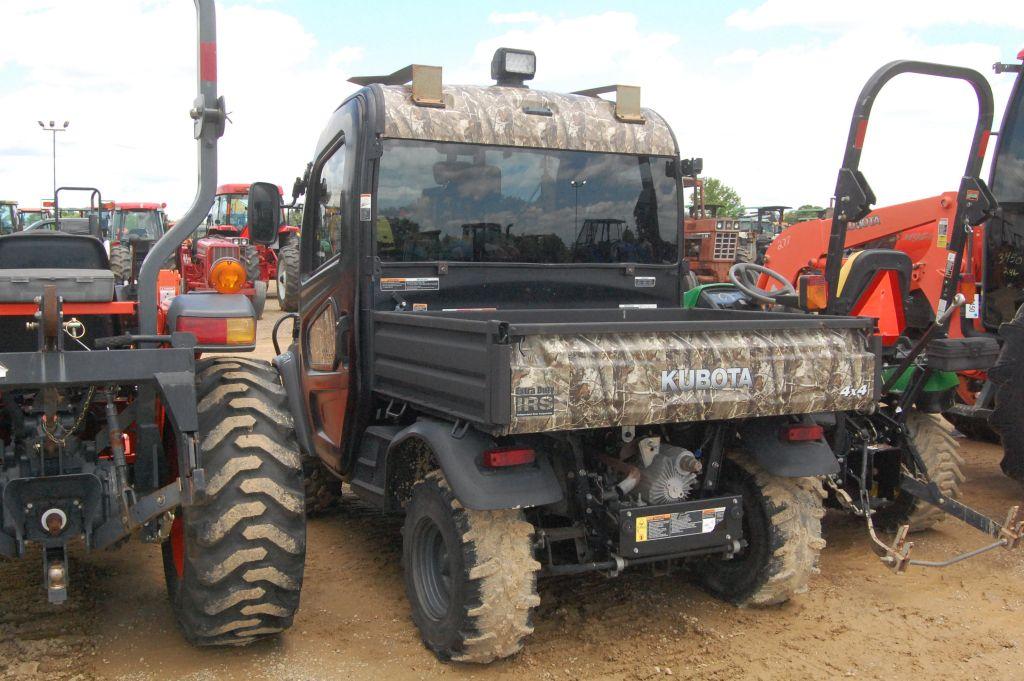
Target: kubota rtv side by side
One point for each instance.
(537, 403)
(113, 425)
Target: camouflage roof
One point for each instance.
(495, 115)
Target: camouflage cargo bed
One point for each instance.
(531, 371)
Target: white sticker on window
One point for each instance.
(365, 207)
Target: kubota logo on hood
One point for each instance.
(678, 380)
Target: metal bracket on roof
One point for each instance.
(426, 83)
(627, 101)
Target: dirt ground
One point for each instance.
(857, 621)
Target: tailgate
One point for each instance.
(595, 380)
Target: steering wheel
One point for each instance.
(744, 276)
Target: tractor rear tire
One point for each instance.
(782, 528)
(288, 275)
(470, 576)
(973, 428)
(234, 562)
(941, 455)
(251, 260)
(121, 263)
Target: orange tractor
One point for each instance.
(711, 241)
(982, 260)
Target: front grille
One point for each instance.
(725, 246)
(218, 252)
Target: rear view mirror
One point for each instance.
(264, 212)
(691, 167)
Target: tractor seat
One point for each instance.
(76, 264)
(875, 283)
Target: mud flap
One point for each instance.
(760, 438)
(1008, 377)
(478, 488)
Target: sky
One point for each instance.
(762, 91)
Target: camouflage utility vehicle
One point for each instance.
(490, 340)
(112, 425)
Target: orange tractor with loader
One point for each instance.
(983, 256)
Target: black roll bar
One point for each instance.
(853, 195)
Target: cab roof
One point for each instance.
(139, 205)
(521, 117)
(240, 188)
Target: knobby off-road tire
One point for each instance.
(470, 575)
(259, 298)
(251, 260)
(941, 455)
(288, 275)
(121, 263)
(234, 563)
(782, 527)
(323, 490)
(972, 427)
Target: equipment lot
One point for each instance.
(858, 621)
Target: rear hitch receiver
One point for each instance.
(55, 574)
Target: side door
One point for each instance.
(327, 289)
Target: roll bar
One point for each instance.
(209, 113)
(853, 195)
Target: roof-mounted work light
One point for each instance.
(512, 68)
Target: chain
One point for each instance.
(63, 439)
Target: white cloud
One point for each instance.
(514, 18)
(773, 122)
(127, 81)
(882, 14)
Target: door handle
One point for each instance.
(341, 331)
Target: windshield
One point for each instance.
(460, 202)
(7, 217)
(1008, 167)
(230, 210)
(146, 224)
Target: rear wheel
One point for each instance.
(470, 576)
(323, 490)
(259, 298)
(234, 563)
(288, 275)
(941, 455)
(251, 259)
(782, 529)
(121, 262)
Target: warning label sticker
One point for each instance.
(943, 234)
(670, 525)
(409, 284)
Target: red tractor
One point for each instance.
(134, 227)
(261, 262)
(213, 262)
(990, 269)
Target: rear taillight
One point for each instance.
(801, 432)
(508, 456)
(220, 330)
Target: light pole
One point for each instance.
(577, 185)
(52, 128)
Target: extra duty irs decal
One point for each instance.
(409, 284)
(535, 401)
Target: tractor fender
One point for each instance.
(287, 365)
(478, 488)
(760, 439)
